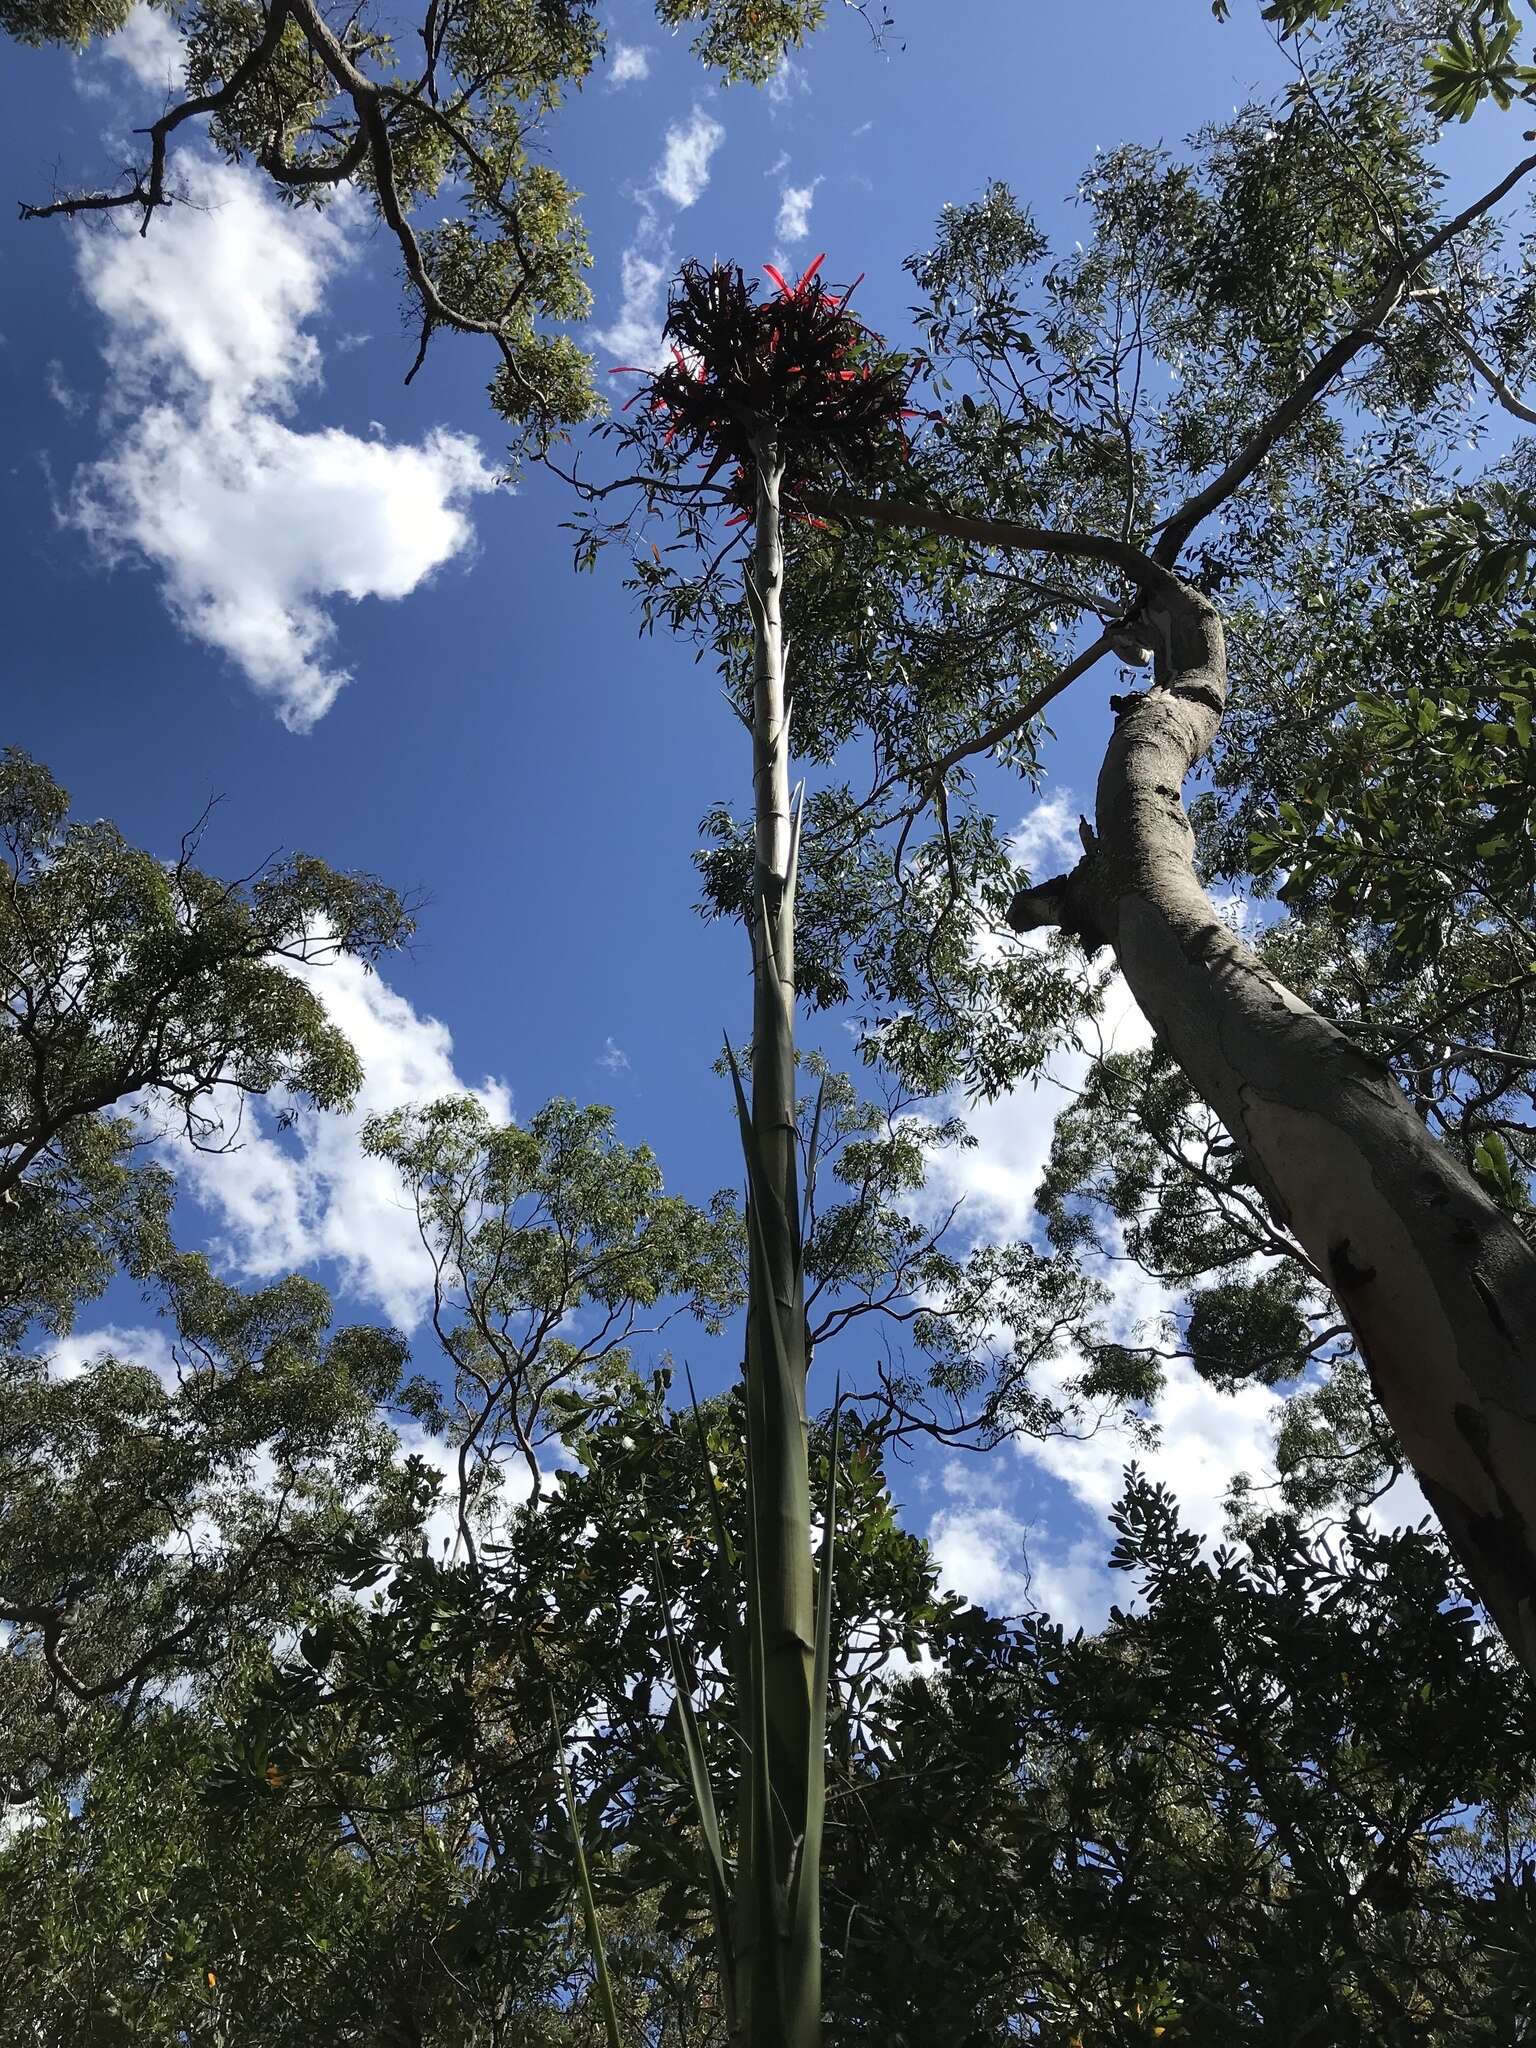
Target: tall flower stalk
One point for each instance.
(771, 394)
(778, 1947)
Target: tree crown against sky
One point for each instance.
(445, 143)
(1185, 1225)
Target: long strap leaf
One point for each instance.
(703, 1790)
(588, 1901)
(766, 2001)
(805, 1899)
(810, 1155)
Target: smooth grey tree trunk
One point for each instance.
(779, 1956)
(1438, 1286)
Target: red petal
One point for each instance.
(800, 287)
(778, 278)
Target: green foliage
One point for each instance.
(553, 1249)
(1293, 1789)
(1251, 1330)
(156, 1519)
(139, 996)
(744, 39)
(438, 121)
(73, 22)
(1474, 62)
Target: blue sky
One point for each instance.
(220, 499)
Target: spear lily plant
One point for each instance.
(779, 395)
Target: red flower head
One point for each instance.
(796, 370)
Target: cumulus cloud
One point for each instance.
(794, 217)
(149, 46)
(635, 335)
(629, 63)
(71, 1355)
(295, 1197)
(985, 1549)
(683, 173)
(1047, 838)
(1205, 1436)
(255, 526)
(980, 1553)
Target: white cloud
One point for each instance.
(635, 336)
(681, 177)
(794, 218)
(74, 1354)
(1206, 1436)
(150, 47)
(980, 1553)
(289, 1199)
(683, 173)
(255, 526)
(613, 1057)
(629, 63)
(790, 78)
(986, 1550)
(1047, 840)
(64, 395)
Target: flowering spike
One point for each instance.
(778, 278)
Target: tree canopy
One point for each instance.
(486, 1685)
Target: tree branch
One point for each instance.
(153, 194)
(1177, 530)
(1031, 708)
(1145, 571)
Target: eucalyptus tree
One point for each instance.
(1226, 421)
(1292, 1789)
(144, 999)
(179, 1509)
(1289, 1795)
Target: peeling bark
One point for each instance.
(1436, 1283)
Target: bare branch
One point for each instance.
(1143, 569)
(1032, 706)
